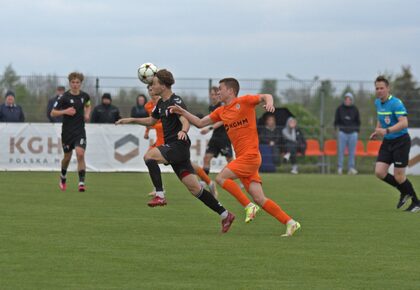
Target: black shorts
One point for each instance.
(70, 142)
(395, 151)
(218, 146)
(178, 156)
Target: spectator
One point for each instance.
(9, 111)
(270, 135)
(138, 111)
(294, 143)
(105, 112)
(347, 121)
(58, 93)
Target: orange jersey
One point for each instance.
(158, 126)
(240, 123)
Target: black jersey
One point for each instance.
(219, 133)
(170, 122)
(73, 125)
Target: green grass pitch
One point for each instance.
(352, 236)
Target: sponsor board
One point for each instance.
(37, 147)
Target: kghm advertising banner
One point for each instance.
(37, 147)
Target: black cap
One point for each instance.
(9, 93)
(106, 96)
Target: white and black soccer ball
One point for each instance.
(146, 72)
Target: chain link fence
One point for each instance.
(313, 102)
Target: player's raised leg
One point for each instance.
(256, 191)
(226, 180)
(208, 199)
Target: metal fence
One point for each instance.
(313, 101)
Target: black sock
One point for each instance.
(208, 199)
(63, 175)
(390, 180)
(154, 172)
(82, 174)
(407, 188)
(206, 170)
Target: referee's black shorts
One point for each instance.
(178, 156)
(395, 151)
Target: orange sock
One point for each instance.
(275, 210)
(236, 191)
(202, 174)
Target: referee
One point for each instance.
(392, 126)
(74, 107)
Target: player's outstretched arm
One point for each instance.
(148, 121)
(268, 102)
(214, 127)
(199, 123)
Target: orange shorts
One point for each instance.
(246, 168)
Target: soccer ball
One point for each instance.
(146, 72)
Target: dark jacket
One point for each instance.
(266, 136)
(12, 114)
(50, 106)
(105, 114)
(138, 112)
(347, 119)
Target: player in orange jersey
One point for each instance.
(158, 126)
(239, 119)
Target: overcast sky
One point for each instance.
(341, 40)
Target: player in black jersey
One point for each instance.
(176, 150)
(219, 142)
(75, 108)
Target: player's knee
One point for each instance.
(219, 179)
(400, 178)
(260, 200)
(147, 156)
(80, 155)
(195, 189)
(67, 157)
(380, 173)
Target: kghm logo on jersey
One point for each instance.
(236, 124)
(387, 120)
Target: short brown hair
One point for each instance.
(76, 75)
(231, 83)
(165, 78)
(382, 79)
(214, 88)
